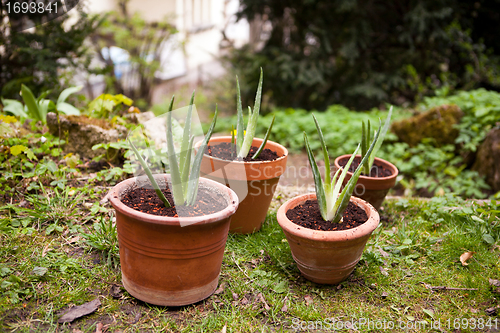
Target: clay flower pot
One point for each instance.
(371, 189)
(326, 257)
(171, 261)
(253, 182)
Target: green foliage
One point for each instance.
(363, 53)
(103, 237)
(144, 41)
(37, 108)
(104, 105)
(481, 109)
(37, 57)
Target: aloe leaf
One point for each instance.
(175, 175)
(263, 144)
(239, 125)
(186, 135)
(346, 194)
(325, 151)
(320, 190)
(31, 104)
(195, 171)
(186, 167)
(380, 139)
(252, 122)
(150, 175)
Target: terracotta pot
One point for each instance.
(326, 257)
(371, 189)
(171, 261)
(253, 182)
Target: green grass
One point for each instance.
(417, 245)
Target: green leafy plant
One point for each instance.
(37, 108)
(103, 237)
(104, 105)
(184, 172)
(365, 141)
(244, 138)
(331, 201)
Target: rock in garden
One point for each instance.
(488, 159)
(437, 123)
(81, 133)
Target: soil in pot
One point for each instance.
(145, 200)
(308, 216)
(378, 169)
(226, 151)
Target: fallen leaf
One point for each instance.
(79, 311)
(220, 290)
(244, 301)
(224, 329)
(383, 271)
(491, 311)
(261, 252)
(309, 299)
(98, 328)
(115, 291)
(235, 297)
(261, 298)
(430, 313)
(466, 256)
(384, 295)
(45, 250)
(494, 282)
(73, 240)
(284, 308)
(383, 253)
(77, 330)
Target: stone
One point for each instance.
(488, 159)
(81, 133)
(436, 123)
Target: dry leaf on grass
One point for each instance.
(284, 308)
(495, 283)
(309, 299)
(466, 256)
(383, 271)
(220, 290)
(98, 328)
(80, 311)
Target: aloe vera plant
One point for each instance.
(244, 138)
(332, 201)
(184, 171)
(365, 139)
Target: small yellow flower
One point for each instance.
(8, 119)
(234, 132)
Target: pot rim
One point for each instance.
(395, 171)
(257, 141)
(327, 236)
(114, 197)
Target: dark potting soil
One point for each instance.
(223, 151)
(308, 216)
(145, 200)
(378, 169)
